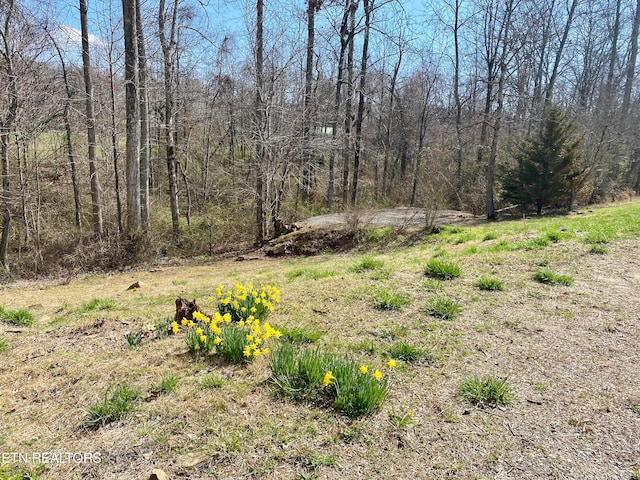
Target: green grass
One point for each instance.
(385, 300)
(490, 391)
(300, 335)
(20, 317)
(310, 274)
(442, 269)
(167, 384)
(490, 284)
(365, 264)
(98, 304)
(546, 276)
(377, 235)
(443, 307)
(117, 404)
(407, 353)
(213, 380)
(598, 249)
(4, 345)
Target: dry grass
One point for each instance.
(570, 354)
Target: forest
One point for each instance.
(186, 128)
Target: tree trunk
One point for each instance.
(96, 205)
(556, 64)
(168, 47)
(114, 142)
(631, 66)
(144, 121)
(134, 220)
(312, 6)
(368, 9)
(259, 126)
(387, 135)
(6, 127)
(348, 105)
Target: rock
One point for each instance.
(158, 474)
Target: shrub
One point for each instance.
(442, 269)
(490, 284)
(443, 307)
(491, 391)
(385, 300)
(21, 317)
(545, 275)
(116, 405)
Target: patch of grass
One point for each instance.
(300, 335)
(134, 338)
(443, 307)
(432, 285)
(308, 374)
(365, 264)
(635, 409)
(213, 380)
(167, 385)
(385, 300)
(407, 353)
(545, 275)
(316, 461)
(377, 235)
(98, 304)
(636, 475)
(395, 332)
(401, 420)
(364, 346)
(598, 249)
(20, 317)
(117, 404)
(8, 472)
(442, 269)
(310, 274)
(489, 236)
(490, 391)
(490, 284)
(4, 345)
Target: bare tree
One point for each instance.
(143, 98)
(96, 204)
(259, 125)
(134, 220)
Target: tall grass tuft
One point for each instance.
(442, 269)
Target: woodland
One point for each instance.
(184, 128)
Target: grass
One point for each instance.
(98, 304)
(442, 269)
(443, 307)
(385, 300)
(407, 353)
(20, 317)
(167, 384)
(365, 264)
(119, 402)
(4, 345)
(213, 380)
(490, 284)
(598, 249)
(300, 335)
(547, 276)
(247, 426)
(489, 391)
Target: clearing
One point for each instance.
(570, 354)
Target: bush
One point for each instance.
(490, 391)
(441, 269)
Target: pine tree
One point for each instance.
(548, 168)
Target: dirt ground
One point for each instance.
(572, 355)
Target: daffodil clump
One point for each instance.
(245, 302)
(308, 374)
(236, 334)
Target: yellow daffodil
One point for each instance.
(328, 378)
(265, 351)
(247, 351)
(377, 375)
(198, 331)
(190, 324)
(363, 369)
(150, 327)
(391, 363)
(184, 321)
(217, 340)
(241, 323)
(203, 338)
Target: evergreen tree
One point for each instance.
(548, 168)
